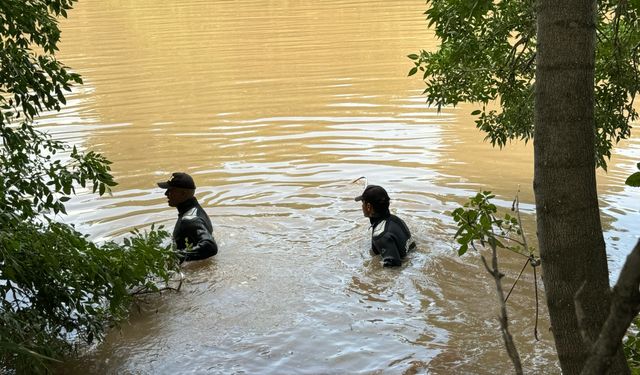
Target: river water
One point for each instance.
(275, 107)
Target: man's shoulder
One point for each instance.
(393, 224)
(191, 219)
(191, 214)
(396, 219)
(380, 228)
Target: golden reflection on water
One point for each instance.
(197, 85)
(274, 107)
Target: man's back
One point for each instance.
(391, 239)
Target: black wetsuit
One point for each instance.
(390, 238)
(193, 232)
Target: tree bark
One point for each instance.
(570, 237)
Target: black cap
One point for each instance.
(373, 194)
(178, 180)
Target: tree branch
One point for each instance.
(504, 320)
(149, 291)
(523, 244)
(625, 305)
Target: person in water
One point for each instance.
(390, 238)
(193, 232)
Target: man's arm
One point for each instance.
(203, 245)
(388, 250)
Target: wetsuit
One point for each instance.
(192, 234)
(391, 239)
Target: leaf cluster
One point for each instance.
(58, 288)
(487, 55)
(38, 173)
(617, 73)
(479, 224)
(31, 79)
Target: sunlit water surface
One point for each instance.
(275, 107)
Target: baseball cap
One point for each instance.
(373, 194)
(178, 180)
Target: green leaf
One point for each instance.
(463, 249)
(476, 112)
(413, 56)
(485, 222)
(633, 180)
(413, 71)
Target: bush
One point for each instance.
(57, 288)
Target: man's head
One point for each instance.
(180, 187)
(375, 201)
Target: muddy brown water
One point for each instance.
(274, 107)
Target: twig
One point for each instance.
(361, 178)
(145, 290)
(516, 208)
(517, 278)
(534, 262)
(148, 291)
(535, 287)
(180, 283)
(513, 240)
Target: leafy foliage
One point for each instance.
(38, 173)
(634, 179)
(487, 55)
(478, 224)
(57, 288)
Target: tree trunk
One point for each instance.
(570, 237)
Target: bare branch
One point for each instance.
(534, 262)
(625, 305)
(523, 244)
(535, 285)
(504, 319)
(517, 209)
(142, 291)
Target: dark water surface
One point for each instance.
(274, 107)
